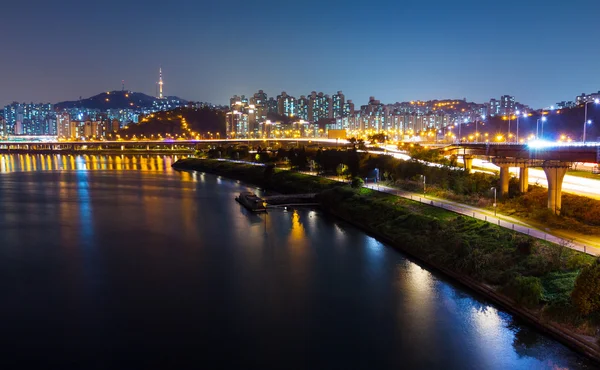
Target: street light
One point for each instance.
(543, 120)
(585, 121)
(476, 131)
(537, 127)
(518, 116)
(459, 124)
(495, 204)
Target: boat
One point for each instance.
(251, 202)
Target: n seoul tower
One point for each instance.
(160, 83)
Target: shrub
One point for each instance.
(357, 182)
(524, 245)
(525, 290)
(578, 260)
(586, 294)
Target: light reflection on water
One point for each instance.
(154, 261)
(65, 162)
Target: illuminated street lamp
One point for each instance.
(476, 131)
(585, 121)
(518, 116)
(495, 204)
(537, 126)
(459, 124)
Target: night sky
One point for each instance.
(541, 51)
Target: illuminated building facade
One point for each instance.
(337, 105)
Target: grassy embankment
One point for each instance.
(579, 214)
(538, 276)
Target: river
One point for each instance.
(122, 262)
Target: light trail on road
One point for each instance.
(571, 184)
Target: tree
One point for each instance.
(353, 162)
(378, 138)
(525, 290)
(269, 171)
(586, 294)
(341, 169)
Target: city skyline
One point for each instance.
(159, 85)
(158, 94)
(397, 52)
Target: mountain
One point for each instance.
(117, 100)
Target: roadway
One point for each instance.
(571, 184)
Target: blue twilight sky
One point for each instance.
(541, 51)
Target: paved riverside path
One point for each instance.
(485, 215)
(506, 222)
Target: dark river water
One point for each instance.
(111, 262)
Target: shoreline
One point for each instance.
(576, 342)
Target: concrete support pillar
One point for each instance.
(555, 173)
(122, 147)
(524, 179)
(504, 179)
(147, 146)
(468, 161)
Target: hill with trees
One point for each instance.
(185, 122)
(118, 100)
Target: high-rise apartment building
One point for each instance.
(374, 115)
(237, 125)
(507, 104)
(319, 107)
(259, 101)
(302, 108)
(337, 105)
(286, 105)
(12, 114)
(494, 107)
(2, 126)
(348, 109)
(29, 119)
(63, 125)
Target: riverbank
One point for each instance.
(529, 278)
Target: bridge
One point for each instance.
(553, 158)
(152, 145)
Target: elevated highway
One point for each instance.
(553, 158)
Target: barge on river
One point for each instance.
(251, 202)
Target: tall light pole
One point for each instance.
(537, 127)
(476, 130)
(543, 120)
(508, 133)
(495, 204)
(518, 116)
(585, 121)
